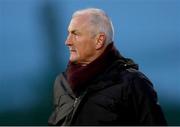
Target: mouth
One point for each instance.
(72, 50)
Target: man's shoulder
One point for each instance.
(124, 70)
(126, 73)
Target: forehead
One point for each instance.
(78, 22)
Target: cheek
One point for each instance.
(84, 47)
(79, 51)
(85, 51)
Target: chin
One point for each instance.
(73, 60)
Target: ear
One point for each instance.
(101, 38)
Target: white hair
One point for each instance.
(100, 21)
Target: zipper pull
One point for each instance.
(76, 100)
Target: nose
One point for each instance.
(68, 41)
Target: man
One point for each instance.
(99, 86)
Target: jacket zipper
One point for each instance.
(76, 103)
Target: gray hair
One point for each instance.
(99, 20)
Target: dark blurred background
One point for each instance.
(32, 51)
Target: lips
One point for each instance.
(72, 49)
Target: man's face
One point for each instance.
(80, 41)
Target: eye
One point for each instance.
(75, 33)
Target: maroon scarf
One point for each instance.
(79, 76)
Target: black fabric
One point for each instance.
(121, 95)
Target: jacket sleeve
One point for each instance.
(145, 101)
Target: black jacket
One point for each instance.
(120, 96)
